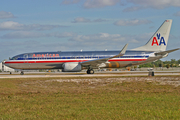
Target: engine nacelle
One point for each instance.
(72, 67)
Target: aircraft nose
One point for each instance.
(6, 63)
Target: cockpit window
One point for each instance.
(25, 56)
(15, 58)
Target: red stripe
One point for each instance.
(14, 62)
(115, 60)
(62, 61)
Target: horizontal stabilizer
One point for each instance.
(165, 52)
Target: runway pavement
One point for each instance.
(83, 74)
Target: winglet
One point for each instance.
(123, 51)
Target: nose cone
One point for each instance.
(6, 63)
(12, 64)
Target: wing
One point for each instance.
(98, 62)
(165, 52)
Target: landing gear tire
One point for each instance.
(22, 73)
(90, 71)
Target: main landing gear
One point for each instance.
(90, 71)
(22, 73)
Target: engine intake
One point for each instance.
(71, 67)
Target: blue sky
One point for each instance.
(72, 25)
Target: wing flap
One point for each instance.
(97, 62)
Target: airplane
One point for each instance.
(75, 61)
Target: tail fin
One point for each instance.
(159, 40)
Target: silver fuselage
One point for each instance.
(55, 60)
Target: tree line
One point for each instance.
(160, 63)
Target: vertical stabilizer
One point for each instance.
(159, 40)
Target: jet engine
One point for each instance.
(72, 67)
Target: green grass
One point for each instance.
(46, 98)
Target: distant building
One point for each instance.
(5, 68)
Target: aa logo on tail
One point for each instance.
(156, 39)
